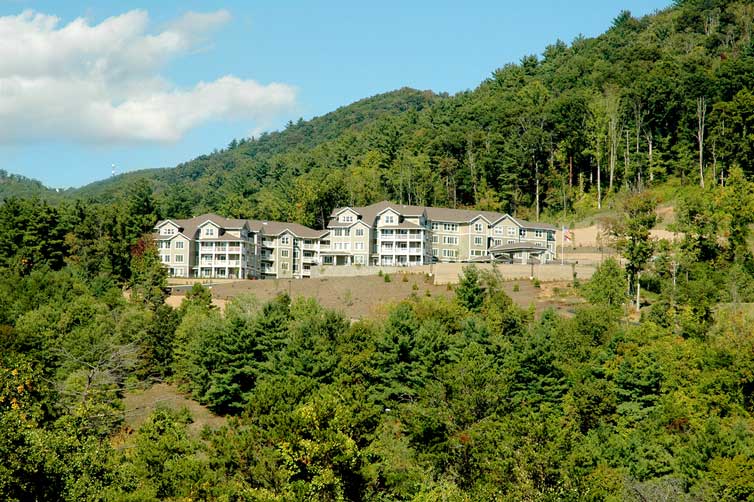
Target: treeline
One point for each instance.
(467, 398)
(665, 96)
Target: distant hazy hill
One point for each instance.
(14, 185)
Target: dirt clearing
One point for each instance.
(368, 296)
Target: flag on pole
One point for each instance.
(567, 234)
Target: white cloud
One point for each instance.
(102, 82)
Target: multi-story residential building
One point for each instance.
(217, 247)
(381, 234)
(207, 246)
(287, 250)
(396, 234)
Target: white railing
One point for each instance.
(234, 249)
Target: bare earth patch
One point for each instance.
(363, 296)
(140, 404)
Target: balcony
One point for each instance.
(234, 249)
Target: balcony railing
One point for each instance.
(234, 249)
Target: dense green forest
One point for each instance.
(461, 399)
(665, 96)
(467, 398)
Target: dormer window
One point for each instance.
(209, 232)
(346, 218)
(390, 218)
(168, 231)
(478, 227)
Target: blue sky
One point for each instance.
(158, 85)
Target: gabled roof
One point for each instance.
(444, 214)
(528, 224)
(275, 228)
(369, 213)
(190, 226)
(337, 211)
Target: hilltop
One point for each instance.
(564, 130)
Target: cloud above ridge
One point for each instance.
(96, 83)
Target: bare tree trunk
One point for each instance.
(613, 138)
(599, 185)
(570, 171)
(701, 111)
(536, 179)
(651, 170)
(626, 160)
(638, 291)
(472, 167)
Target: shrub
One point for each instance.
(404, 277)
(516, 288)
(537, 284)
(415, 287)
(386, 277)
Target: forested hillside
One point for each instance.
(644, 392)
(14, 185)
(579, 122)
(455, 399)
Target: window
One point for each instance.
(498, 230)
(166, 258)
(498, 242)
(168, 231)
(511, 230)
(284, 253)
(511, 241)
(179, 258)
(209, 231)
(450, 240)
(338, 232)
(451, 227)
(359, 232)
(284, 266)
(390, 218)
(285, 240)
(539, 233)
(359, 259)
(435, 239)
(477, 241)
(435, 226)
(435, 252)
(346, 218)
(179, 244)
(449, 253)
(478, 227)
(346, 232)
(358, 246)
(522, 232)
